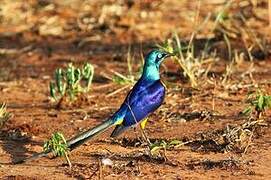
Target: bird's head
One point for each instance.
(153, 61)
(156, 57)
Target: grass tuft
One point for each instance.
(4, 115)
(163, 145)
(240, 137)
(57, 144)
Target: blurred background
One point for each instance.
(84, 28)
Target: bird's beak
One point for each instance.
(167, 54)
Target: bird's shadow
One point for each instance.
(135, 156)
(14, 143)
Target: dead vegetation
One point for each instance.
(4, 115)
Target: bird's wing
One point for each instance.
(139, 90)
(138, 104)
(144, 96)
(135, 93)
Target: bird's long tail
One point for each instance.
(77, 140)
(83, 137)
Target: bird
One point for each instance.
(146, 96)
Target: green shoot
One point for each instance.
(163, 145)
(258, 103)
(58, 146)
(71, 82)
(4, 115)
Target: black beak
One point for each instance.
(167, 54)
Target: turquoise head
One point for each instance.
(152, 64)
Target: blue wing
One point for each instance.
(142, 100)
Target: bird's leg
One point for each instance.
(137, 135)
(144, 135)
(142, 127)
(146, 139)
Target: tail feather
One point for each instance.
(75, 141)
(83, 137)
(118, 130)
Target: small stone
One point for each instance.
(182, 120)
(107, 162)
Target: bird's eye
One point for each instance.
(159, 56)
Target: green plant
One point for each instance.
(4, 115)
(163, 145)
(71, 82)
(57, 144)
(259, 102)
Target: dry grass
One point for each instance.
(4, 115)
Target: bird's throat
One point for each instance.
(151, 73)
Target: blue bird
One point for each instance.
(145, 97)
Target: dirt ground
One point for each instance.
(39, 36)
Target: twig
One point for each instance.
(117, 91)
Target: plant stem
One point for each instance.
(68, 160)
